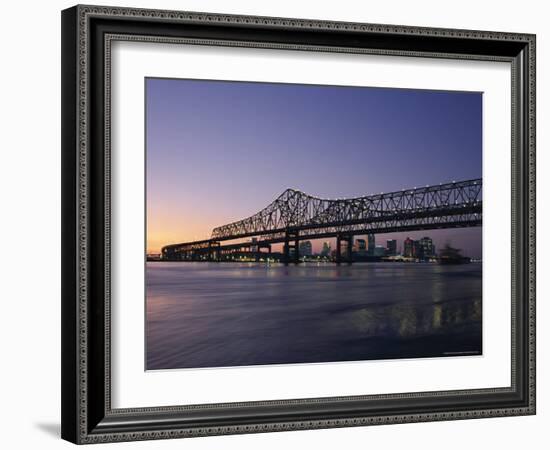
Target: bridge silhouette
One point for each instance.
(295, 216)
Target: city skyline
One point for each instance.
(220, 151)
(316, 247)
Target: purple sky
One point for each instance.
(221, 151)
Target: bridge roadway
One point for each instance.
(295, 216)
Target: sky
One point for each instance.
(220, 151)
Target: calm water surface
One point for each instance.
(230, 314)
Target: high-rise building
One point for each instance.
(426, 248)
(407, 247)
(410, 248)
(416, 249)
(371, 244)
(326, 249)
(306, 249)
(391, 247)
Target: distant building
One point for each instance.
(408, 248)
(379, 250)
(371, 244)
(426, 248)
(306, 249)
(416, 250)
(326, 249)
(391, 247)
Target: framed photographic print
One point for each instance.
(279, 224)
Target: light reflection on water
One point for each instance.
(230, 314)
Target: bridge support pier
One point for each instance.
(289, 235)
(286, 252)
(213, 250)
(258, 253)
(349, 250)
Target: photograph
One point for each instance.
(300, 223)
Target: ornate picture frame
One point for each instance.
(87, 413)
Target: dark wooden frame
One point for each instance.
(87, 416)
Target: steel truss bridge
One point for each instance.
(295, 216)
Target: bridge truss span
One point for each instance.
(294, 209)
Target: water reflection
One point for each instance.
(414, 320)
(212, 315)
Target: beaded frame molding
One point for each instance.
(87, 35)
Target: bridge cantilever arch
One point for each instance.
(296, 216)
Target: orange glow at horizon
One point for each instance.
(172, 233)
(172, 219)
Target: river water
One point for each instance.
(232, 314)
